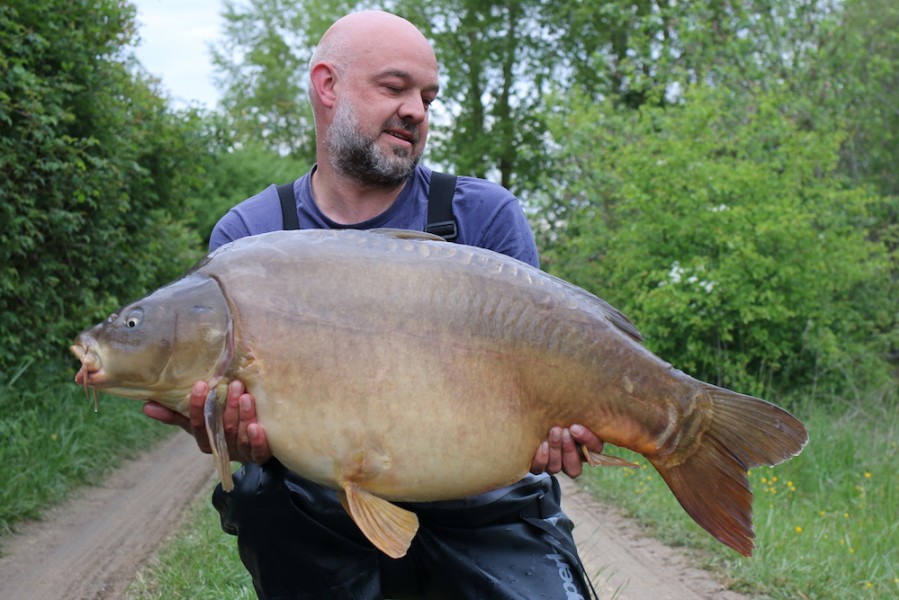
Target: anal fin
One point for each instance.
(386, 525)
(595, 459)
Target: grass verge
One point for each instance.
(53, 442)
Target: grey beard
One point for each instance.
(359, 158)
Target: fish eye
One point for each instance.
(134, 318)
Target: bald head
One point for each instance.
(372, 78)
(360, 35)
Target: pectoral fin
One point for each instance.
(386, 525)
(213, 411)
(595, 459)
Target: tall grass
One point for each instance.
(51, 441)
(827, 522)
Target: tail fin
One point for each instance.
(711, 485)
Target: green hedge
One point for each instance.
(96, 169)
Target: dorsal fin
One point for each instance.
(407, 234)
(612, 314)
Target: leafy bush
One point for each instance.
(722, 228)
(95, 171)
(236, 174)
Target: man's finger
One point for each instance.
(570, 455)
(541, 458)
(160, 413)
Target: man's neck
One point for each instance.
(347, 201)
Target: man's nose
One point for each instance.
(413, 109)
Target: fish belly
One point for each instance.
(404, 421)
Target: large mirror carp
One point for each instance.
(393, 367)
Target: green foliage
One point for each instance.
(95, 172)
(238, 173)
(865, 77)
(844, 62)
(263, 68)
(723, 229)
(498, 59)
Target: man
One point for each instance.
(372, 80)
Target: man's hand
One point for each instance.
(560, 451)
(245, 437)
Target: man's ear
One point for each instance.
(324, 77)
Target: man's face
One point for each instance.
(380, 122)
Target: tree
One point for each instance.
(498, 60)
(855, 79)
(262, 65)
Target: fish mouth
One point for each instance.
(91, 373)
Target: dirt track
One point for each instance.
(90, 547)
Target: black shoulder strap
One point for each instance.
(440, 206)
(288, 206)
